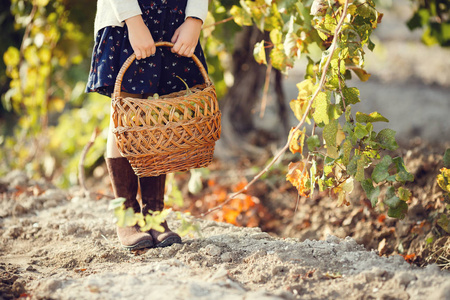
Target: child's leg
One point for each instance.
(125, 184)
(152, 194)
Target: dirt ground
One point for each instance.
(58, 244)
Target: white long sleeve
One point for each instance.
(124, 9)
(197, 8)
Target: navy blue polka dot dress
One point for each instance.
(155, 74)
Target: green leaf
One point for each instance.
(155, 219)
(359, 176)
(404, 194)
(259, 53)
(125, 217)
(380, 172)
(330, 23)
(414, 22)
(391, 200)
(320, 105)
(360, 131)
(334, 112)
(372, 192)
(444, 223)
(366, 10)
(397, 208)
(187, 226)
(398, 212)
(386, 139)
(329, 133)
(352, 166)
(351, 95)
(322, 35)
(447, 158)
(371, 45)
(372, 117)
(348, 119)
(391, 178)
(116, 203)
(402, 174)
(313, 142)
(241, 17)
(346, 151)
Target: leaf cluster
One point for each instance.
(46, 91)
(434, 18)
(153, 220)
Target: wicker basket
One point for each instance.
(174, 133)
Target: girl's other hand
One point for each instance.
(186, 36)
(141, 39)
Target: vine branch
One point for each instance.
(219, 22)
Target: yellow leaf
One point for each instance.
(299, 105)
(11, 57)
(320, 105)
(297, 141)
(340, 136)
(298, 177)
(305, 89)
(57, 104)
(332, 151)
(361, 73)
(443, 179)
(241, 17)
(260, 53)
(276, 36)
(343, 190)
(42, 2)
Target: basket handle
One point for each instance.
(131, 58)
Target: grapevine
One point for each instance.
(343, 148)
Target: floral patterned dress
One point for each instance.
(155, 74)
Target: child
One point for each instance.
(121, 28)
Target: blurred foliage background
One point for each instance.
(46, 118)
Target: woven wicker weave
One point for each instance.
(174, 133)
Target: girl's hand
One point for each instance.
(141, 39)
(186, 36)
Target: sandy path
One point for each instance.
(59, 245)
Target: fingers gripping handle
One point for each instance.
(132, 57)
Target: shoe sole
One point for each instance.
(169, 241)
(140, 245)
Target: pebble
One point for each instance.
(226, 257)
(404, 278)
(13, 232)
(213, 250)
(332, 239)
(279, 270)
